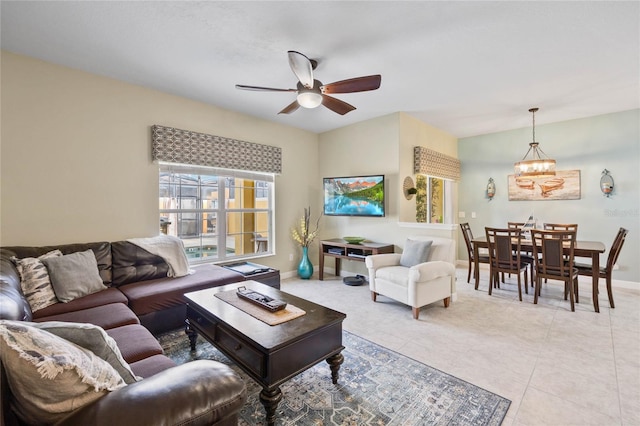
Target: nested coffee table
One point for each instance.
(269, 354)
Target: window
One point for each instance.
(218, 214)
(433, 199)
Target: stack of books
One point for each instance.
(359, 255)
(335, 250)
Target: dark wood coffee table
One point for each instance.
(270, 355)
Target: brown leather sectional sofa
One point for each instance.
(139, 300)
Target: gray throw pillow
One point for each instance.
(49, 376)
(415, 252)
(74, 275)
(93, 338)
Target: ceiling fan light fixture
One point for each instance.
(308, 99)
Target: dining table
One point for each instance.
(588, 249)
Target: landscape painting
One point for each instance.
(354, 196)
(565, 185)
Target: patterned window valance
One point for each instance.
(186, 147)
(433, 163)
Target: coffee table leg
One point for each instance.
(270, 398)
(334, 363)
(191, 333)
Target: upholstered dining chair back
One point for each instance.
(505, 255)
(553, 252)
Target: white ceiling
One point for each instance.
(466, 67)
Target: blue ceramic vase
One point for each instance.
(305, 268)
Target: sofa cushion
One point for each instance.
(102, 251)
(156, 295)
(107, 316)
(49, 376)
(101, 298)
(415, 252)
(132, 263)
(35, 281)
(398, 275)
(151, 365)
(93, 338)
(135, 342)
(74, 275)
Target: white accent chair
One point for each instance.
(417, 285)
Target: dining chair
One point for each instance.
(503, 257)
(527, 253)
(553, 252)
(605, 272)
(468, 237)
(560, 226)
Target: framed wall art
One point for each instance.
(565, 185)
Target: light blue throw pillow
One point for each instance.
(415, 252)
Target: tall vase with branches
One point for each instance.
(304, 235)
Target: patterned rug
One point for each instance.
(377, 386)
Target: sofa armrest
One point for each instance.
(428, 271)
(376, 261)
(201, 392)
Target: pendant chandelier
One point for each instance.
(539, 164)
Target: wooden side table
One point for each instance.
(341, 249)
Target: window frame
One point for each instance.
(424, 197)
(264, 184)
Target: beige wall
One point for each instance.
(76, 157)
(76, 161)
(381, 146)
(414, 132)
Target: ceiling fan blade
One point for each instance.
(336, 105)
(358, 84)
(263, 89)
(302, 68)
(290, 108)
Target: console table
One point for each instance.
(340, 249)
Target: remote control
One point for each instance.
(260, 299)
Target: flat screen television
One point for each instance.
(354, 196)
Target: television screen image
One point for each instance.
(354, 196)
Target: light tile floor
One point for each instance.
(556, 366)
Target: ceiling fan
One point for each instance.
(312, 93)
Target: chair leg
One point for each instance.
(491, 278)
(374, 295)
(575, 287)
(469, 273)
(520, 286)
(609, 292)
(416, 312)
(447, 301)
(570, 286)
(536, 291)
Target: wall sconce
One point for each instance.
(606, 183)
(491, 189)
(408, 188)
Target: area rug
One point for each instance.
(377, 386)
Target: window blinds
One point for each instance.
(433, 163)
(184, 147)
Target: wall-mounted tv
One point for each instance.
(354, 196)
